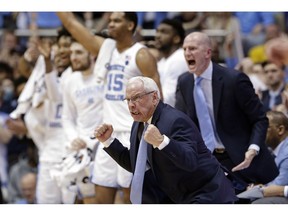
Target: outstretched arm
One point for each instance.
(249, 155)
(91, 42)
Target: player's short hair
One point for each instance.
(177, 26)
(63, 32)
(132, 16)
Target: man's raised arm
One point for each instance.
(83, 35)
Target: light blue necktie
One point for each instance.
(204, 118)
(272, 101)
(138, 177)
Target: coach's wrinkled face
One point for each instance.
(141, 103)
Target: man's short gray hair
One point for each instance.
(148, 84)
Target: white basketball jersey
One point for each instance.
(53, 149)
(82, 106)
(54, 138)
(122, 67)
(169, 70)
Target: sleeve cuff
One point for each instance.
(255, 147)
(286, 191)
(164, 143)
(108, 142)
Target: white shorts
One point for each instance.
(106, 171)
(47, 189)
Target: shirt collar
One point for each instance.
(149, 120)
(276, 150)
(277, 92)
(207, 74)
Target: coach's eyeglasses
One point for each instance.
(138, 97)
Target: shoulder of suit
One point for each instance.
(183, 76)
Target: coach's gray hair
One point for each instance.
(148, 83)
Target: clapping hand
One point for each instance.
(45, 48)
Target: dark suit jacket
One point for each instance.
(265, 98)
(185, 170)
(239, 116)
(1, 197)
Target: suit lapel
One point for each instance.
(157, 113)
(217, 86)
(154, 121)
(188, 88)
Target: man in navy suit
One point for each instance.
(238, 117)
(275, 82)
(180, 168)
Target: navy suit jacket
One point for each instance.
(265, 98)
(185, 171)
(239, 117)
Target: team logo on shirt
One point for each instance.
(116, 67)
(90, 100)
(127, 59)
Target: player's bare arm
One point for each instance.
(83, 35)
(148, 66)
